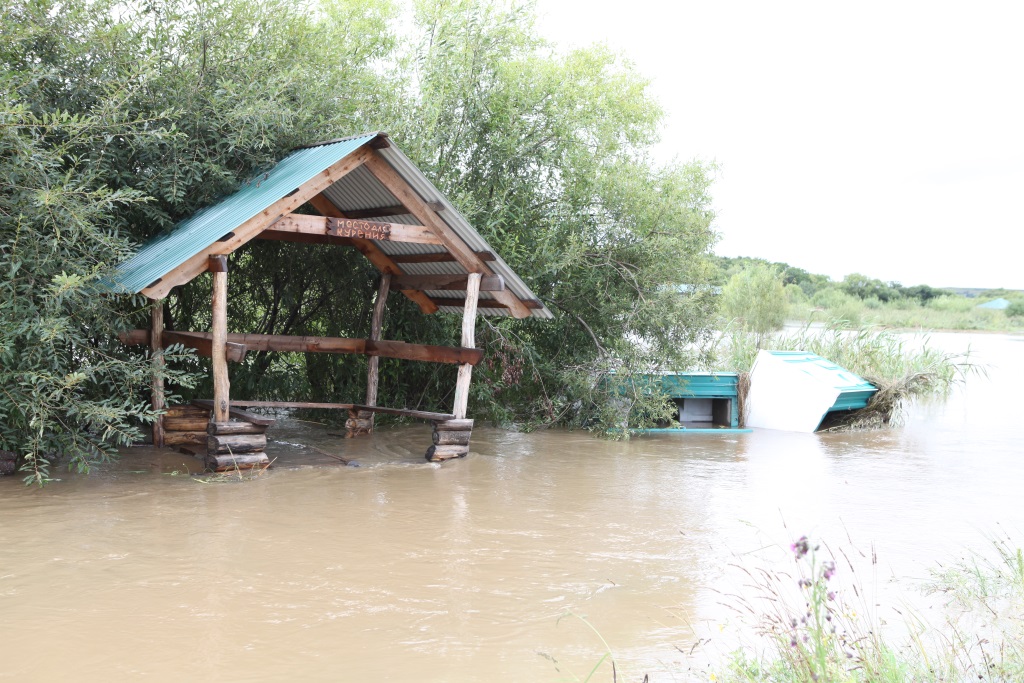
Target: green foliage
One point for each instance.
(1015, 309)
(66, 389)
(756, 298)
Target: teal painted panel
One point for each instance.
(854, 390)
(166, 252)
(700, 384)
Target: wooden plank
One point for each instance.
(252, 227)
(292, 404)
(157, 385)
(375, 255)
(376, 323)
(354, 229)
(203, 345)
(236, 413)
(218, 347)
(440, 257)
(300, 344)
(456, 281)
(218, 264)
(404, 412)
(483, 303)
(405, 194)
(423, 352)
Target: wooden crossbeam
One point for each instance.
(404, 412)
(310, 344)
(354, 229)
(441, 257)
(484, 303)
(404, 193)
(490, 283)
(202, 342)
(237, 414)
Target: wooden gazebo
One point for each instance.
(367, 195)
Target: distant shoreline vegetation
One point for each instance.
(798, 295)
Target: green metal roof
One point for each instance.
(169, 250)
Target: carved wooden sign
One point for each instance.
(364, 230)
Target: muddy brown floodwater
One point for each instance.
(400, 570)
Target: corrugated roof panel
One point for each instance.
(191, 236)
(359, 190)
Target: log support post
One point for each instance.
(156, 354)
(376, 324)
(451, 437)
(221, 385)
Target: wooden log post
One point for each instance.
(156, 353)
(451, 437)
(221, 385)
(468, 341)
(376, 324)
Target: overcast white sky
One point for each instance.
(885, 138)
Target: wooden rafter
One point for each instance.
(419, 208)
(489, 283)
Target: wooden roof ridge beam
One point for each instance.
(418, 207)
(251, 228)
(354, 229)
(459, 282)
(375, 255)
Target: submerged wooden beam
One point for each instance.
(489, 283)
(237, 414)
(284, 343)
(404, 412)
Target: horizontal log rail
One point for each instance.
(405, 412)
(237, 414)
(283, 343)
(202, 342)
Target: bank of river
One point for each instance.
(405, 571)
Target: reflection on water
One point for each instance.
(407, 571)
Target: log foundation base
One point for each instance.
(222, 446)
(359, 423)
(451, 440)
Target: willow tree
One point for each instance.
(177, 103)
